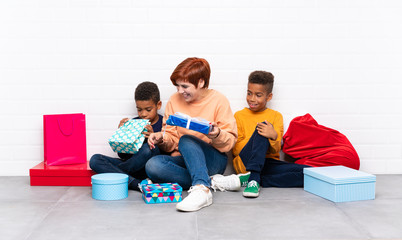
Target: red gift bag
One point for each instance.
(64, 139)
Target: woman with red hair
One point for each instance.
(194, 156)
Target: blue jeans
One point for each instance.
(197, 162)
(269, 172)
(134, 167)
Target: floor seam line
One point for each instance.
(355, 224)
(50, 209)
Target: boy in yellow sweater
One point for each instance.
(260, 131)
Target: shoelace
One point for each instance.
(191, 189)
(252, 184)
(195, 188)
(216, 185)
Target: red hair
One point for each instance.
(192, 70)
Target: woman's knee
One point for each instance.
(185, 140)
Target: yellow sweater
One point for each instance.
(214, 107)
(246, 123)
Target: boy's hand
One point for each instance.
(122, 122)
(267, 130)
(154, 139)
(148, 131)
(215, 131)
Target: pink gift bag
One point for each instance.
(64, 139)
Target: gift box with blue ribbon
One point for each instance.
(185, 121)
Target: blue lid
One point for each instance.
(161, 187)
(109, 178)
(339, 175)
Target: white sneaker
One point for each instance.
(199, 196)
(225, 183)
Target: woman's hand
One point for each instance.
(267, 130)
(215, 131)
(154, 139)
(148, 131)
(122, 122)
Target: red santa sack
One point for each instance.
(317, 146)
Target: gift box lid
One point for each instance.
(130, 131)
(161, 187)
(339, 175)
(109, 178)
(71, 170)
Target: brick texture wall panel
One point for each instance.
(337, 60)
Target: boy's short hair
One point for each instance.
(192, 70)
(147, 91)
(264, 78)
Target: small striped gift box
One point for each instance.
(339, 183)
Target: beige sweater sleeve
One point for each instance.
(171, 137)
(227, 123)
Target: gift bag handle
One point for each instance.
(72, 128)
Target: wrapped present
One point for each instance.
(129, 138)
(183, 120)
(61, 175)
(161, 193)
(109, 186)
(339, 183)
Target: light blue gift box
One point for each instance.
(109, 186)
(129, 138)
(339, 183)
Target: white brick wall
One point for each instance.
(339, 60)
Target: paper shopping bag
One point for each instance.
(64, 139)
(129, 138)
